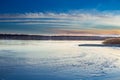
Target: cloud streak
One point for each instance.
(76, 17)
(70, 22)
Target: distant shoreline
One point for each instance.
(99, 45)
(45, 37)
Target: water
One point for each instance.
(58, 60)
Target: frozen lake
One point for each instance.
(58, 60)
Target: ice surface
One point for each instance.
(58, 60)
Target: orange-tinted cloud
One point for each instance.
(87, 32)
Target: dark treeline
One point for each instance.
(42, 37)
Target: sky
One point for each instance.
(71, 17)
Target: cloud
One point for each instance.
(88, 32)
(79, 19)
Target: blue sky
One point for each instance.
(23, 6)
(59, 16)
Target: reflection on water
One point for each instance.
(58, 60)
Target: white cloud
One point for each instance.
(75, 18)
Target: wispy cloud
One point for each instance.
(70, 22)
(79, 18)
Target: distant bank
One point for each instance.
(43, 37)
